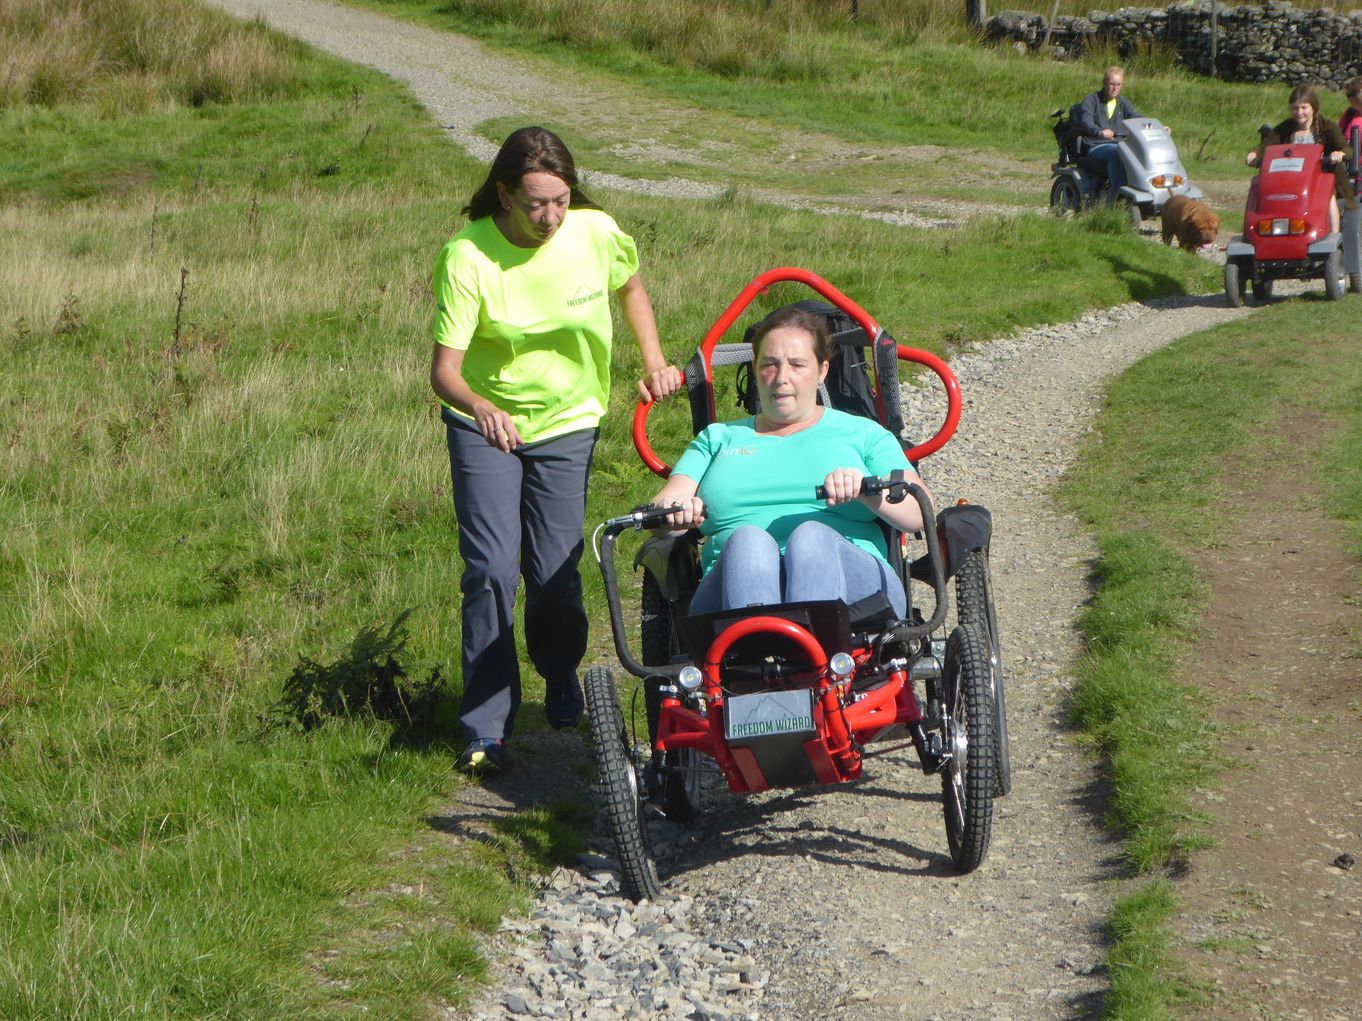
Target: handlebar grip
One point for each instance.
(644, 516)
(869, 486)
(872, 484)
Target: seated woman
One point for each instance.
(749, 484)
(1307, 127)
(1352, 117)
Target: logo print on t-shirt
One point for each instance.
(585, 294)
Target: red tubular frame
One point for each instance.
(862, 319)
(834, 753)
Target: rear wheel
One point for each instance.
(1262, 290)
(1234, 285)
(624, 805)
(974, 597)
(1065, 196)
(659, 646)
(1333, 275)
(968, 780)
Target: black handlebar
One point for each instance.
(644, 516)
(896, 485)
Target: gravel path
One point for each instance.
(842, 903)
(464, 84)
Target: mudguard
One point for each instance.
(1324, 245)
(963, 529)
(673, 563)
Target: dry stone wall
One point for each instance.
(1274, 42)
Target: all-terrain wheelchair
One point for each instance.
(795, 694)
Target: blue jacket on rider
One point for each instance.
(1093, 119)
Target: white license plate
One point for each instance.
(768, 714)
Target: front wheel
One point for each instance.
(1355, 282)
(660, 644)
(974, 597)
(1065, 196)
(1333, 275)
(1135, 213)
(1262, 290)
(968, 779)
(620, 786)
(1234, 285)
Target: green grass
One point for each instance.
(902, 75)
(190, 508)
(219, 457)
(1151, 483)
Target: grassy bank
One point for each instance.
(220, 456)
(1151, 483)
(902, 74)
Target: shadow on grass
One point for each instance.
(1142, 283)
(370, 681)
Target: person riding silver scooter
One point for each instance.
(1110, 152)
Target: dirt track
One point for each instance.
(846, 897)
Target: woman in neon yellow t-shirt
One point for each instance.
(522, 368)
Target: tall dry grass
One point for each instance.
(782, 40)
(135, 55)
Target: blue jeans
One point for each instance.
(818, 564)
(1116, 170)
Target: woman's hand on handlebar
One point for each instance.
(685, 513)
(659, 383)
(681, 492)
(842, 485)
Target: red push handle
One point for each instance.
(863, 320)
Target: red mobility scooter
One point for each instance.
(1286, 227)
(802, 694)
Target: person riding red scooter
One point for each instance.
(1291, 218)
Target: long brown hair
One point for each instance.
(527, 151)
(1307, 94)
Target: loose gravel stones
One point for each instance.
(841, 903)
(587, 953)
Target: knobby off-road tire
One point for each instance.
(620, 787)
(1234, 285)
(1334, 285)
(974, 599)
(968, 782)
(659, 644)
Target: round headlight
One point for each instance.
(690, 678)
(841, 665)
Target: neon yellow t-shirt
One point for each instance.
(1111, 109)
(535, 322)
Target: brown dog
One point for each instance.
(1192, 222)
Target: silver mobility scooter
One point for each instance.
(1154, 173)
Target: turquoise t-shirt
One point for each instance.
(752, 478)
(535, 322)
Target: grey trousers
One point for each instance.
(519, 514)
